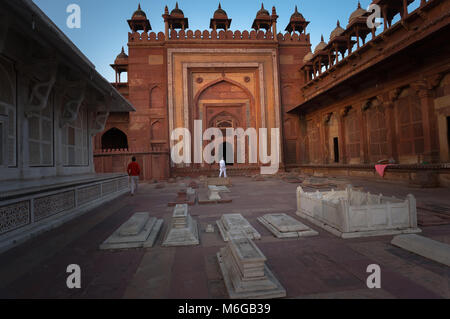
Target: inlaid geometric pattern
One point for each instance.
(88, 194)
(109, 188)
(122, 183)
(14, 216)
(50, 205)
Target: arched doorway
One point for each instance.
(114, 139)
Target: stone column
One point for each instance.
(363, 140)
(426, 97)
(388, 101)
(342, 149)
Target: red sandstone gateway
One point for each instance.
(363, 96)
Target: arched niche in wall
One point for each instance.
(114, 139)
(156, 100)
(157, 131)
(410, 132)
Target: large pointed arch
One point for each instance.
(114, 139)
(227, 80)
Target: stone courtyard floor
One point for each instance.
(317, 267)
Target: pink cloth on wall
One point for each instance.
(381, 169)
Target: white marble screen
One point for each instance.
(75, 141)
(40, 136)
(8, 111)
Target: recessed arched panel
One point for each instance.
(114, 139)
(156, 97)
(157, 131)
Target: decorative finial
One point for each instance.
(166, 10)
(176, 5)
(338, 24)
(322, 39)
(274, 10)
(359, 4)
(296, 9)
(220, 7)
(123, 50)
(262, 6)
(139, 6)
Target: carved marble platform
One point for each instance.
(219, 181)
(235, 226)
(245, 273)
(183, 229)
(214, 195)
(185, 196)
(284, 226)
(140, 231)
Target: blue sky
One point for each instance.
(104, 29)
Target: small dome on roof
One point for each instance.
(320, 46)
(177, 12)
(296, 16)
(337, 32)
(262, 11)
(122, 56)
(359, 12)
(220, 13)
(308, 57)
(139, 13)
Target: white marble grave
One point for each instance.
(245, 272)
(284, 226)
(235, 225)
(351, 213)
(140, 231)
(183, 229)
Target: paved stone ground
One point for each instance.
(317, 267)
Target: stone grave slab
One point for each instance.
(235, 226)
(185, 196)
(245, 273)
(425, 247)
(212, 196)
(183, 229)
(219, 181)
(220, 189)
(140, 231)
(284, 226)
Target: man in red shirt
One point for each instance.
(133, 171)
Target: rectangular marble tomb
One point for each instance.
(235, 226)
(245, 273)
(140, 231)
(284, 226)
(183, 229)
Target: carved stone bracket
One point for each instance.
(433, 81)
(76, 90)
(421, 88)
(99, 123)
(327, 117)
(40, 91)
(393, 95)
(345, 110)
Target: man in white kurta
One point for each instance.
(223, 168)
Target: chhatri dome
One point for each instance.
(122, 57)
(262, 12)
(177, 12)
(220, 13)
(297, 16)
(320, 46)
(359, 12)
(337, 32)
(139, 14)
(308, 57)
